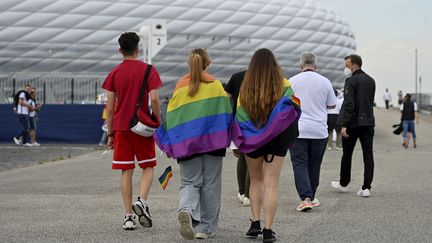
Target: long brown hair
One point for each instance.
(262, 86)
(198, 62)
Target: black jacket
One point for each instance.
(358, 102)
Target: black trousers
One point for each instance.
(387, 104)
(365, 134)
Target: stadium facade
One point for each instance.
(55, 41)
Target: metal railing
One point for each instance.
(54, 88)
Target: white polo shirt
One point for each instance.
(315, 93)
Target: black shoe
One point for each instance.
(268, 236)
(254, 230)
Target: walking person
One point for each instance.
(22, 108)
(338, 127)
(409, 113)
(332, 117)
(264, 127)
(123, 85)
(196, 133)
(33, 117)
(317, 95)
(387, 99)
(358, 122)
(243, 179)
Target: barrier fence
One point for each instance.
(54, 88)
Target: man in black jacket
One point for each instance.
(358, 122)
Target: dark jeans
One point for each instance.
(25, 123)
(387, 104)
(365, 134)
(243, 175)
(306, 157)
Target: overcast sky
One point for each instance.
(387, 33)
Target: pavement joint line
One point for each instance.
(46, 147)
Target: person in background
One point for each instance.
(332, 117)
(243, 179)
(104, 138)
(22, 109)
(338, 127)
(387, 99)
(33, 117)
(410, 113)
(400, 97)
(358, 122)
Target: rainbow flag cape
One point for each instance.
(196, 124)
(247, 137)
(164, 178)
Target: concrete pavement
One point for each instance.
(78, 200)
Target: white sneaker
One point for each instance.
(246, 202)
(240, 197)
(336, 185)
(17, 141)
(329, 148)
(28, 145)
(36, 144)
(315, 203)
(186, 229)
(339, 148)
(203, 236)
(129, 222)
(142, 210)
(363, 193)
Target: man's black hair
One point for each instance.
(408, 96)
(128, 42)
(355, 59)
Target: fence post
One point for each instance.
(13, 87)
(72, 91)
(96, 93)
(44, 92)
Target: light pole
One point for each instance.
(420, 91)
(415, 80)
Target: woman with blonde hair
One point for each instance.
(264, 127)
(196, 133)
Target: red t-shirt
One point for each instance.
(126, 80)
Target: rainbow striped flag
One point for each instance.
(197, 124)
(247, 137)
(164, 178)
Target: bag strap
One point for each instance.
(144, 85)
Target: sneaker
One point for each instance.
(240, 197)
(268, 236)
(315, 203)
(339, 148)
(141, 209)
(17, 141)
(305, 205)
(129, 222)
(36, 144)
(363, 193)
(254, 230)
(28, 145)
(337, 185)
(329, 148)
(203, 236)
(246, 202)
(185, 220)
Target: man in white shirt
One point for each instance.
(22, 109)
(316, 96)
(387, 99)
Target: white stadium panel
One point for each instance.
(80, 36)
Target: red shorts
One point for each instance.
(130, 147)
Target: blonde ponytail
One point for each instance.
(196, 68)
(198, 62)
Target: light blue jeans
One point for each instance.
(408, 126)
(200, 191)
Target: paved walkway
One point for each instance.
(78, 200)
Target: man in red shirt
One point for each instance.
(123, 85)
